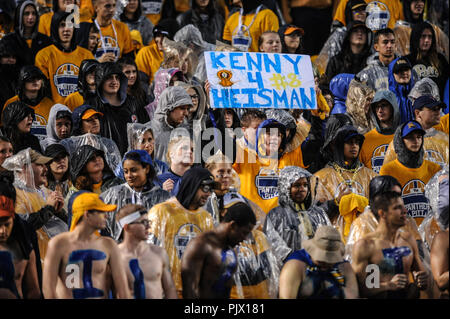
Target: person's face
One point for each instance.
(202, 3)
(6, 226)
(132, 6)
(194, 97)
(178, 114)
(25, 125)
(201, 197)
(40, 174)
(183, 153)
(62, 4)
(90, 80)
(94, 166)
(417, 7)
(29, 16)
(351, 148)
(63, 127)
(292, 41)
(359, 15)
(238, 234)
(59, 165)
(33, 86)
(383, 111)
(222, 173)
(105, 9)
(135, 173)
(330, 100)
(96, 219)
(271, 43)
(396, 213)
(6, 150)
(8, 59)
(385, 45)
(426, 40)
(358, 36)
(413, 141)
(299, 190)
(112, 84)
(91, 125)
(228, 116)
(159, 41)
(65, 33)
(147, 143)
(272, 140)
(429, 116)
(93, 40)
(250, 131)
(403, 76)
(140, 227)
(131, 74)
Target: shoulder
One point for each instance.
(433, 167)
(59, 240)
(363, 247)
(81, 50)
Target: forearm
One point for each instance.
(41, 217)
(442, 281)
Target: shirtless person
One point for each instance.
(319, 270)
(82, 252)
(394, 252)
(146, 265)
(17, 257)
(209, 261)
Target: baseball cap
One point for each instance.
(290, 30)
(89, 113)
(427, 101)
(87, 201)
(38, 158)
(401, 64)
(410, 127)
(6, 206)
(355, 4)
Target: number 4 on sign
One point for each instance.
(257, 79)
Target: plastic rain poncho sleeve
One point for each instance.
(108, 146)
(122, 195)
(357, 104)
(173, 227)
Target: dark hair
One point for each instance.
(83, 181)
(382, 201)
(250, 115)
(134, 156)
(384, 31)
(4, 139)
(380, 184)
(136, 89)
(241, 214)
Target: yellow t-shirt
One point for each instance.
(118, 42)
(74, 100)
(413, 181)
(173, 227)
(443, 124)
(41, 111)
(374, 148)
(149, 59)
(395, 8)
(259, 177)
(61, 68)
(265, 20)
(435, 147)
(45, 22)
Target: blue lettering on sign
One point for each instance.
(234, 63)
(258, 79)
(294, 63)
(223, 99)
(250, 93)
(251, 62)
(267, 98)
(234, 102)
(86, 257)
(294, 99)
(283, 99)
(305, 100)
(276, 65)
(215, 60)
(139, 286)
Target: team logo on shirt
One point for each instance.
(435, 157)
(378, 157)
(184, 235)
(39, 127)
(267, 183)
(414, 198)
(355, 188)
(66, 79)
(108, 45)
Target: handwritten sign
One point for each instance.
(260, 80)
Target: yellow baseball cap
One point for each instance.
(88, 201)
(89, 113)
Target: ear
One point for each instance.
(416, 113)
(381, 213)
(376, 46)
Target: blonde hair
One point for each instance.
(217, 158)
(174, 142)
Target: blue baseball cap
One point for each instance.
(427, 101)
(410, 127)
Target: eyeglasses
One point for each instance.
(143, 222)
(207, 188)
(194, 96)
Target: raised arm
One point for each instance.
(191, 267)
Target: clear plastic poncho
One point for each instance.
(108, 146)
(177, 55)
(357, 103)
(426, 86)
(30, 199)
(434, 222)
(332, 47)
